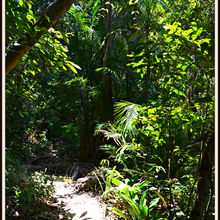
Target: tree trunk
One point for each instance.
(85, 153)
(148, 58)
(204, 182)
(53, 13)
(107, 105)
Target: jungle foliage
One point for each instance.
(126, 85)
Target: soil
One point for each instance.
(82, 205)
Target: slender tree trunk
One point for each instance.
(204, 182)
(85, 153)
(147, 54)
(107, 105)
(49, 17)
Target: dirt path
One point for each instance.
(81, 204)
(70, 199)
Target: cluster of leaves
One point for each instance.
(26, 193)
(127, 199)
(29, 91)
(145, 184)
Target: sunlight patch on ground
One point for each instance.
(83, 205)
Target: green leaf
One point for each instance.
(71, 67)
(164, 202)
(144, 212)
(73, 64)
(21, 2)
(150, 128)
(47, 17)
(100, 69)
(116, 181)
(124, 189)
(121, 213)
(133, 205)
(144, 183)
(132, 213)
(35, 62)
(132, 3)
(132, 37)
(77, 66)
(199, 31)
(143, 200)
(179, 92)
(162, 3)
(153, 203)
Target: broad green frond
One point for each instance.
(112, 72)
(126, 115)
(109, 131)
(107, 148)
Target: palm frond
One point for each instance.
(110, 131)
(162, 3)
(120, 41)
(126, 115)
(108, 148)
(95, 9)
(112, 72)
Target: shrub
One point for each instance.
(26, 193)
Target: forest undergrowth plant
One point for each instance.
(128, 199)
(26, 193)
(131, 201)
(140, 139)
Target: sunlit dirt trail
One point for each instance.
(82, 204)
